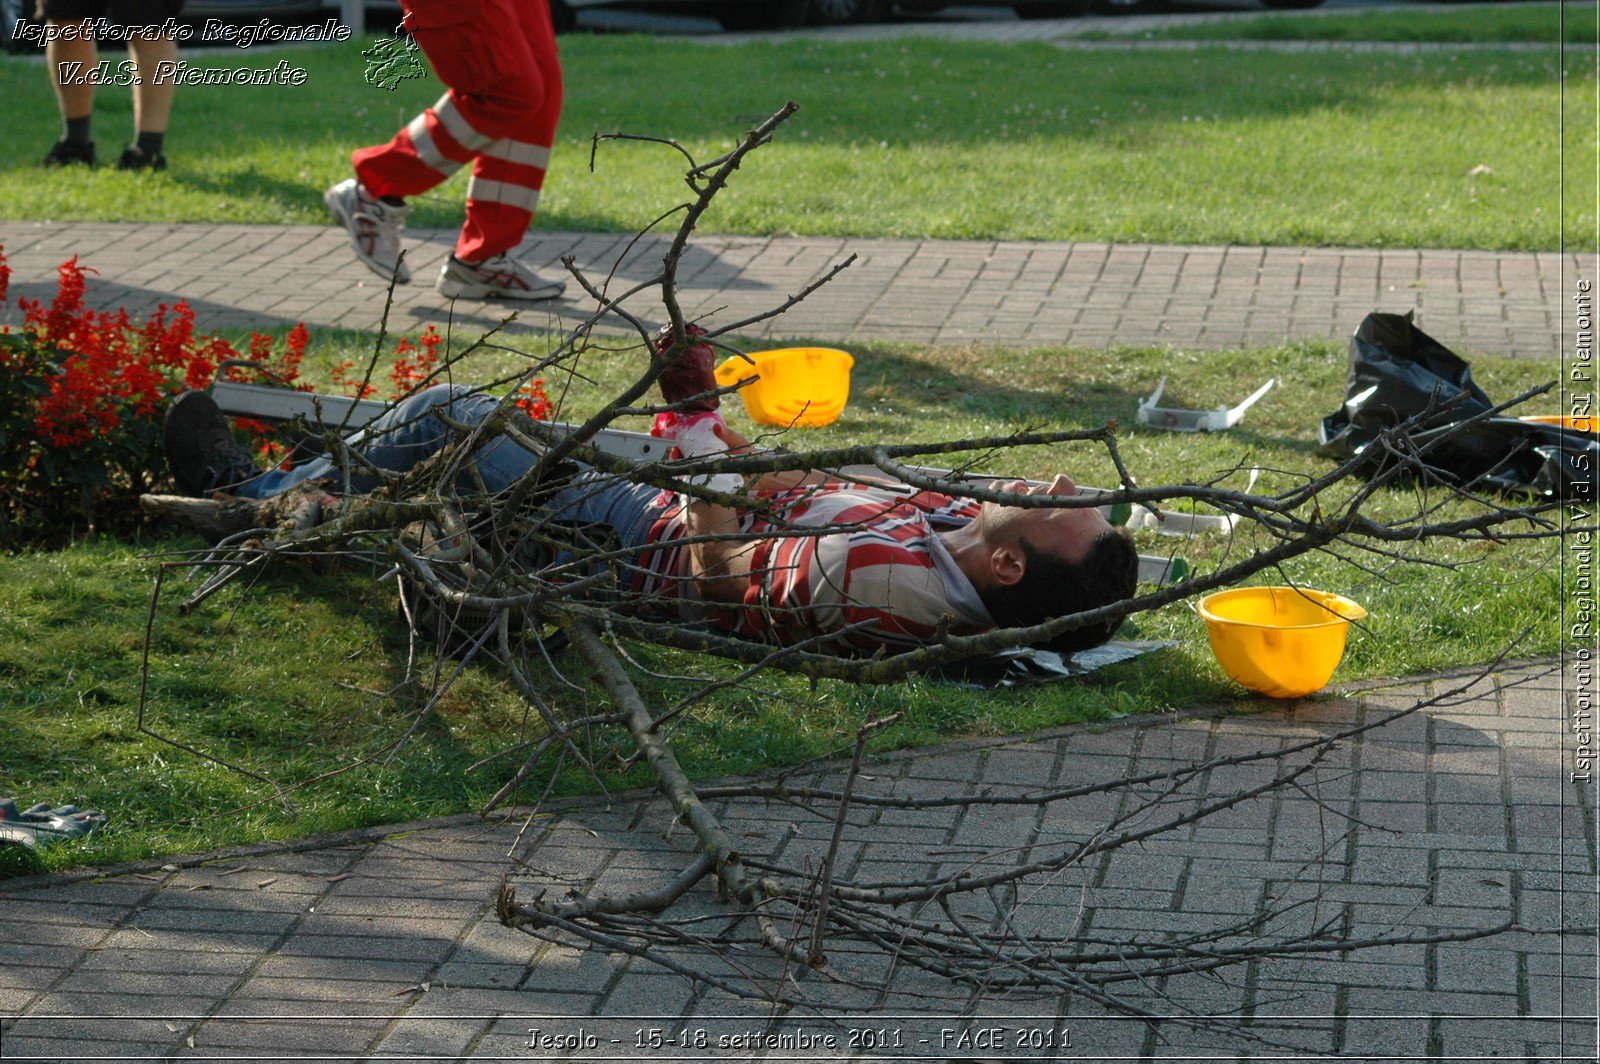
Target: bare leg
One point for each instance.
(75, 100)
(152, 103)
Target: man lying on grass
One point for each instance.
(856, 566)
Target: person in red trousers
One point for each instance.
(498, 59)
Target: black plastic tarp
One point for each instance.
(1397, 372)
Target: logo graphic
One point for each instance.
(391, 60)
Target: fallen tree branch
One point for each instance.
(460, 554)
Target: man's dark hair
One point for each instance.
(1051, 587)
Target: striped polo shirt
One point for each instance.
(828, 557)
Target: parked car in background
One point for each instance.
(743, 14)
(1128, 7)
(763, 14)
(733, 14)
(1068, 8)
(249, 10)
(195, 11)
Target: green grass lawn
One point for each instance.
(278, 679)
(899, 138)
(919, 138)
(1475, 24)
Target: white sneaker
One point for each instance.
(374, 228)
(499, 277)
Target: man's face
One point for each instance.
(1064, 532)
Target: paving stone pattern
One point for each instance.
(1008, 293)
(382, 945)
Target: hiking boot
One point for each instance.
(134, 158)
(70, 153)
(500, 277)
(374, 227)
(201, 450)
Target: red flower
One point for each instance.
(101, 379)
(296, 342)
(430, 341)
(413, 366)
(341, 377)
(177, 342)
(532, 400)
(62, 324)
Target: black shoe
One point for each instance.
(70, 153)
(134, 158)
(201, 450)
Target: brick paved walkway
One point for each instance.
(383, 944)
(927, 291)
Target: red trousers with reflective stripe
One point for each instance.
(498, 58)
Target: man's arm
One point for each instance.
(796, 478)
(721, 568)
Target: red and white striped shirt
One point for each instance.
(828, 558)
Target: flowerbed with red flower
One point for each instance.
(82, 393)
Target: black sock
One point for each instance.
(150, 143)
(77, 130)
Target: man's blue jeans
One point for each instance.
(409, 433)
